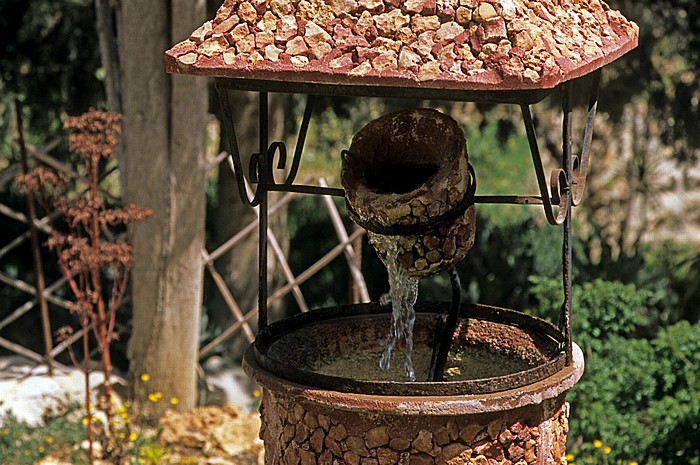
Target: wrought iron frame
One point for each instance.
(564, 190)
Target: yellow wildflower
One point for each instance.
(174, 401)
(145, 377)
(569, 457)
(49, 439)
(133, 436)
(607, 450)
(155, 396)
(634, 463)
(597, 443)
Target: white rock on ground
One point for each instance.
(27, 391)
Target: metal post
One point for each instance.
(445, 330)
(263, 181)
(565, 318)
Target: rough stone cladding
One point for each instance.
(460, 44)
(302, 433)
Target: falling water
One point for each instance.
(403, 292)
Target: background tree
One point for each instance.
(163, 168)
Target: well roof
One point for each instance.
(440, 44)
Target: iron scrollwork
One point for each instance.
(261, 166)
(568, 184)
(580, 164)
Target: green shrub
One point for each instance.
(600, 309)
(639, 398)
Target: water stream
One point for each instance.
(403, 292)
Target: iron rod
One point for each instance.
(301, 139)
(567, 126)
(234, 159)
(263, 180)
(539, 170)
(580, 172)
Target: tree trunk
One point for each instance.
(163, 168)
(104, 15)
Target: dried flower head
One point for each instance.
(125, 215)
(94, 134)
(41, 179)
(64, 333)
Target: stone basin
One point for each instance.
(323, 404)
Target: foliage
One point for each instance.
(21, 444)
(601, 309)
(133, 432)
(641, 398)
(45, 62)
(663, 70)
(668, 270)
(501, 158)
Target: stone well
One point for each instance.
(322, 404)
(503, 398)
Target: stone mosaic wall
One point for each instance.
(297, 432)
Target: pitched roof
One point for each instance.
(442, 44)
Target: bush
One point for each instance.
(639, 399)
(601, 309)
(642, 399)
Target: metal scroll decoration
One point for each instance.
(557, 193)
(568, 184)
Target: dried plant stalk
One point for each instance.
(85, 253)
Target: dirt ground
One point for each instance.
(214, 435)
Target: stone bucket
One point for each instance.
(407, 174)
(326, 402)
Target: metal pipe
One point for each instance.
(445, 331)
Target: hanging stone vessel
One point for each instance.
(408, 171)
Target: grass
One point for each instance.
(22, 444)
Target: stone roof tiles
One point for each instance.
(448, 44)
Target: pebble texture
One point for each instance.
(383, 192)
(461, 44)
(297, 433)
